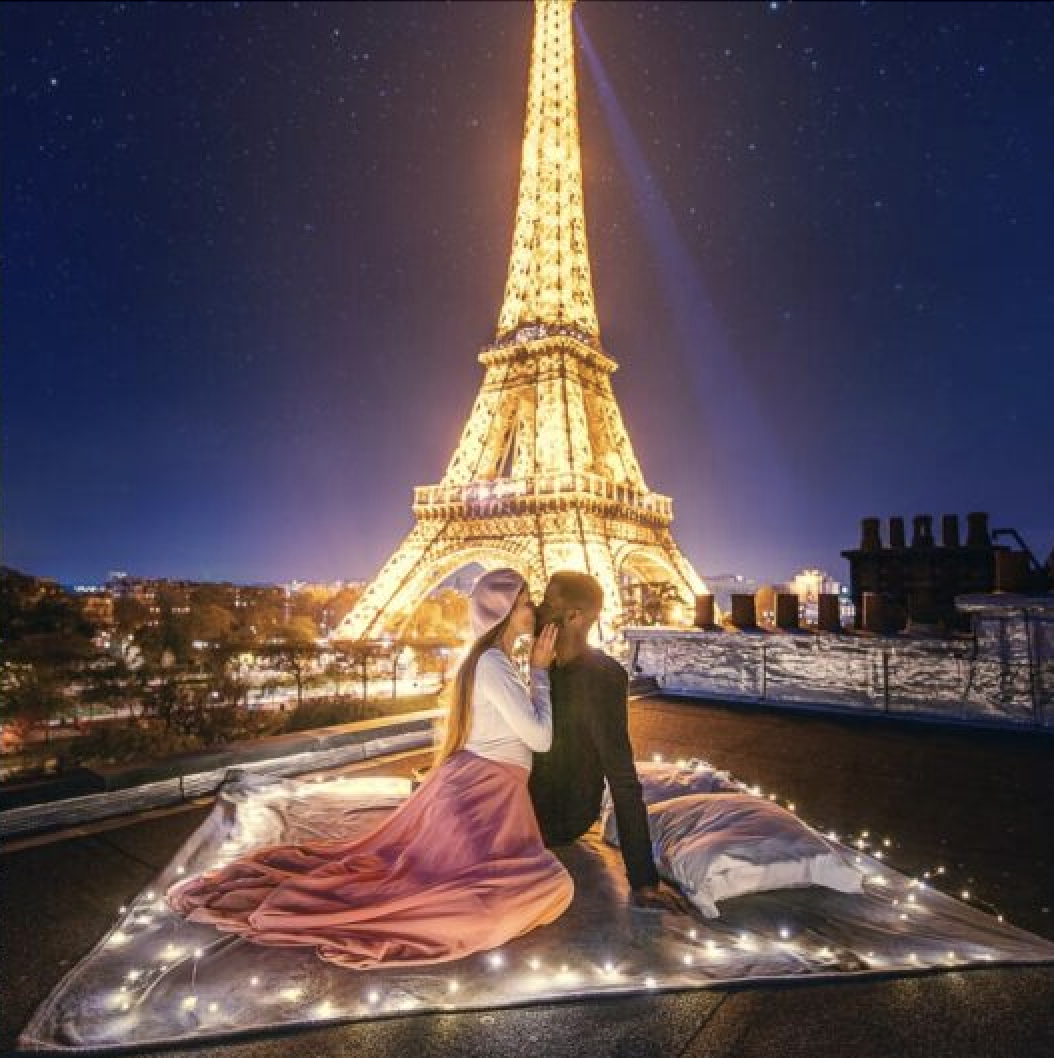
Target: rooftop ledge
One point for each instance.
(134, 788)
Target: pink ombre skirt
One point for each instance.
(458, 868)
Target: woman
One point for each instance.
(459, 867)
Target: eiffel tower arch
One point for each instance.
(544, 477)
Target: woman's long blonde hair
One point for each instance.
(459, 714)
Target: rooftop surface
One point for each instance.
(976, 802)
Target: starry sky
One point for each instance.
(251, 252)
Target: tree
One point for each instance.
(47, 642)
(360, 653)
(129, 615)
(33, 695)
(209, 623)
(294, 651)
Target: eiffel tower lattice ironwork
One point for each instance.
(544, 477)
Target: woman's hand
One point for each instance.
(544, 647)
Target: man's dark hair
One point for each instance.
(578, 591)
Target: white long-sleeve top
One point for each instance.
(509, 722)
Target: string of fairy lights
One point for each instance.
(531, 976)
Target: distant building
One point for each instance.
(98, 608)
(809, 585)
(896, 584)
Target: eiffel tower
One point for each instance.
(544, 477)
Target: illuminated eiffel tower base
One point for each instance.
(544, 477)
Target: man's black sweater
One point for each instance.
(591, 743)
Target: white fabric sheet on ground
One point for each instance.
(155, 978)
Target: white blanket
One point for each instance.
(155, 978)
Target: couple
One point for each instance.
(461, 866)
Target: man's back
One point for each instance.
(591, 743)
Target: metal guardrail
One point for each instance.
(332, 748)
(1003, 676)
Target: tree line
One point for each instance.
(172, 668)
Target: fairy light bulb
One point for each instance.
(374, 998)
(966, 894)
(688, 960)
(254, 982)
(784, 933)
(497, 960)
(452, 986)
(649, 982)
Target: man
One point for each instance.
(591, 742)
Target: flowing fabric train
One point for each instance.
(458, 868)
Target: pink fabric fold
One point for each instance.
(459, 867)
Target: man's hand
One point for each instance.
(660, 897)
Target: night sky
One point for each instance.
(251, 252)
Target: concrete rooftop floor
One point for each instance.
(978, 802)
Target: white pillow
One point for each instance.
(716, 846)
(661, 781)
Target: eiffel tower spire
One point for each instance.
(549, 277)
(544, 477)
